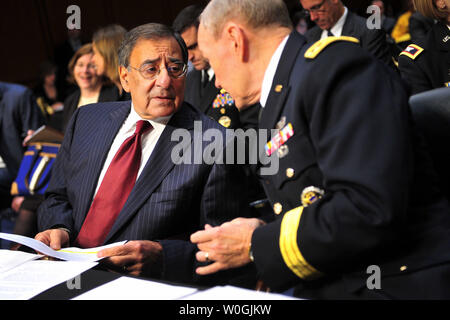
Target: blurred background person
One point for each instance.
(425, 64)
(201, 91)
(19, 115)
(105, 44)
(63, 53)
(90, 86)
(401, 33)
(48, 96)
(301, 22)
(332, 18)
(387, 23)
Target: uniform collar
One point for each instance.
(270, 72)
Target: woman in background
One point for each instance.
(105, 44)
(91, 87)
(425, 64)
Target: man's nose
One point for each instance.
(163, 79)
(313, 16)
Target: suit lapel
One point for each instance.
(155, 170)
(280, 85)
(106, 132)
(349, 28)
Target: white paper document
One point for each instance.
(68, 254)
(235, 293)
(11, 259)
(33, 277)
(126, 288)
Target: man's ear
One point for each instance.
(238, 40)
(123, 73)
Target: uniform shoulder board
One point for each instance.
(318, 47)
(412, 51)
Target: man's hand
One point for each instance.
(135, 257)
(28, 137)
(54, 238)
(227, 245)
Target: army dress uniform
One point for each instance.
(349, 192)
(215, 103)
(425, 65)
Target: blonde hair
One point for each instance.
(429, 9)
(86, 49)
(254, 13)
(107, 42)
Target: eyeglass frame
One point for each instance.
(315, 9)
(185, 69)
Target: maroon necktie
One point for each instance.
(114, 190)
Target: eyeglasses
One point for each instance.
(315, 9)
(150, 71)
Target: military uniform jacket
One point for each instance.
(347, 194)
(214, 102)
(425, 65)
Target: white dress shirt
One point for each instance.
(148, 142)
(336, 30)
(270, 72)
(209, 72)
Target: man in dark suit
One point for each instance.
(354, 198)
(201, 91)
(93, 199)
(19, 113)
(332, 18)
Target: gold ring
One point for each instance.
(207, 256)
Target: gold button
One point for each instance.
(290, 172)
(278, 88)
(403, 268)
(277, 208)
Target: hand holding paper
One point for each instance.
(68, 254)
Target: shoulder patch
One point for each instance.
(412, 51)
(318, 47)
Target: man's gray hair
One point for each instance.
(150, 31)
(254, 13)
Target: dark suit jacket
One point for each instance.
(204, 102)
(168, 201)
(108, 93)
(379, 205)
(18, 114)
(374, 41)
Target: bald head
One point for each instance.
(239, 37)
(255, 14)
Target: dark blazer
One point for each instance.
(375, 200)
(108, 93)
(224, 114)
(374, 41)
(430, 69)
(168, 201)
(18, 114)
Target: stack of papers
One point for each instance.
(22, 276)
(126, 288)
